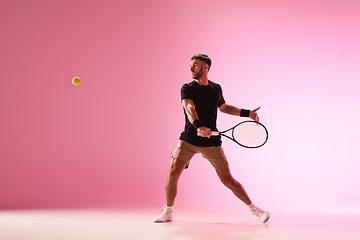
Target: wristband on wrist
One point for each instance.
(244, 113)
(197, 123)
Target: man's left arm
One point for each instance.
(232, 110)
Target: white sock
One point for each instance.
(169, 208)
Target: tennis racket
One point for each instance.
(248, 134)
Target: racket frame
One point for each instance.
(222, 133)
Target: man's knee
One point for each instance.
(228, 181)
(176, 167)
(226, 177)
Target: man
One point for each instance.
(201, 99)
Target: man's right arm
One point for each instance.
(189, 107)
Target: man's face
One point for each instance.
(196, 68)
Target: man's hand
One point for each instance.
(253, 115)
(204, 132)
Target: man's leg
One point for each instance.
(226, 178)
(177, 166)
(216, 156)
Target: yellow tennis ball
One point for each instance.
(76, 81)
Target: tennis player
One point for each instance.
(201, 100)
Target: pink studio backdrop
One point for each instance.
(108, 141)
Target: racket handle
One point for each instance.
(213, 133)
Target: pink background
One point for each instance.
(108, 141)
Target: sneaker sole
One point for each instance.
(266, 219)
(163, 221)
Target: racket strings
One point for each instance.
(250, 134)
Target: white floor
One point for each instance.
(131, 224)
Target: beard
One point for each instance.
(198, 75)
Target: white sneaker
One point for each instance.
(261, 214)
(165, 216)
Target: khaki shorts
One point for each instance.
(215, 155)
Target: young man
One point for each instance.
(201, 99)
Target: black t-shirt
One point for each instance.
(207, 99)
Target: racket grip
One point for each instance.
(213, 133)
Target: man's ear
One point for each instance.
(206, 67)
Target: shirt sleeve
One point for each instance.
(221, 97)
(186, 93)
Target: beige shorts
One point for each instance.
(215, 155)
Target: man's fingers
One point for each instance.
(256, 109)
(204, 133)
(207, 134)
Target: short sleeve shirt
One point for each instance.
(206, 99)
